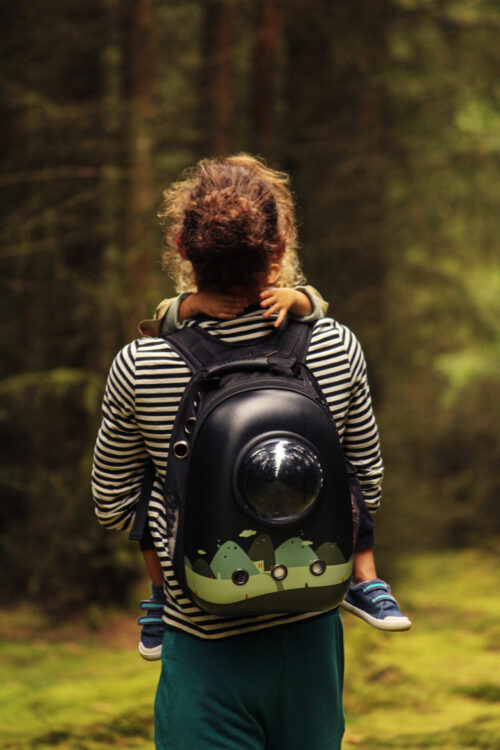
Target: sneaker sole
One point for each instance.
(389, 623)
(150, 654)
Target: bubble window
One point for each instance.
(278, 480)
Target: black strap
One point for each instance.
(194, 346)
(294, 339)
(141, 511)
(200, 348)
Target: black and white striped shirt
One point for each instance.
(144, 388)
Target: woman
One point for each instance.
(273, 681)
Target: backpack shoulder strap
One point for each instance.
(196, 349)
(200, 349)
(294, 339)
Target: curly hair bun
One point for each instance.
(232, 216)
(224, 218)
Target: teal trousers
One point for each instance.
(276, 689)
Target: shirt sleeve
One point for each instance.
(361, 440)
(170, 320)
(120, 455)
(319, 305)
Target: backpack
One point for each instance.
(256, 479)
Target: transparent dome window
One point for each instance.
(279, 479)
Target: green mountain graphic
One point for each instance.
(262, 549)
(293, 553)
(330, 553)
(203, 568)
(228, 558)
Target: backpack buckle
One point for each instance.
(280, 363)
(208, 380)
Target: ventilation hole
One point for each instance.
(317, 567)
(279, 572)
(188, 427)
(181, 449)
(240, 577)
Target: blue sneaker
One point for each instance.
(374, 603)
(152, 629)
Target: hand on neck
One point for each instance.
(252, 294)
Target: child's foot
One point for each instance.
(374, 603)
(152, 626)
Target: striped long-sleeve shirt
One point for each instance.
(145, 384)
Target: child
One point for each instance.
(368, 597)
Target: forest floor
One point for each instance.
(437, 686)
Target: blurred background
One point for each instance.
(387, 116)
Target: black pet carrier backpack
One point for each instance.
(257, 479)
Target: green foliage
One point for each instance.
(57, 384)
(439, 413)
(52, 549)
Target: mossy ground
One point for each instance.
(436, 686)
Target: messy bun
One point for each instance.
(232, 217)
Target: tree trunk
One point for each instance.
(266, 69)
(141, 192)
(112, 289)
(339, 127)
(217, 100)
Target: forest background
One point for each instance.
(387, 116)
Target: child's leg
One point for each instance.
(363, 557)
(363, 565)
(151, 622)
(153, 566)
(369, 597)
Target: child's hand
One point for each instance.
(281, 300)
(213, 304)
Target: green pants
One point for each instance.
(276, 689)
